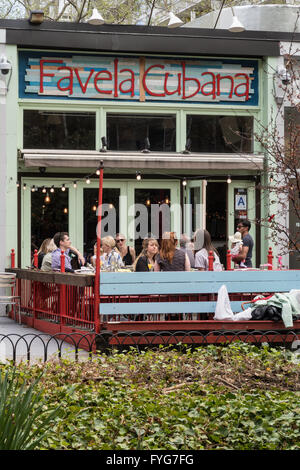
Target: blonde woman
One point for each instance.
(111, 257)
(170, 258)
(146, 259)
(47, 259)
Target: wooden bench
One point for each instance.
(172, 300)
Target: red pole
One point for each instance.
(210, 261)
(270, 259)
(97, 274)
(62, 262)
(12, 258)
(63, 299)
(228, 259)
(35, 259)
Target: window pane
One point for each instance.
(129, 131)
(49, 214)
(55, 130)
(110, 221)
(220, 134)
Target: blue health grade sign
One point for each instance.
(77, 76)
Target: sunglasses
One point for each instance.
(120, 240)
(240, 226)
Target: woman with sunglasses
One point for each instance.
(127, 252)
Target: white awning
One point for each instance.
(140, 160)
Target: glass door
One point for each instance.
(194, 206)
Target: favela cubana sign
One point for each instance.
(74, 76)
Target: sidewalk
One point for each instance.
(25, 340)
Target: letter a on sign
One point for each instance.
(240, 202)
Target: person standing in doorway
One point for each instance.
(244, 227)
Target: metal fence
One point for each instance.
(43, 347)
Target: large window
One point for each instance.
(220, 134)
(130, 131)
(59, 130)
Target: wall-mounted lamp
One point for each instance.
(174, 21)
(36, 17)
(104, 144)
(236, 26)
(147, 146)
(96, 18)
(188, 146)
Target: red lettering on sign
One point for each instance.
(83, 86)
(184, 80)
(98, 78)
(43, 74)
(116, 78)
(246, 85)
(151, 93)
(178, 89)
(67, 77)
(212, 84)
(130, 80)
(225, 77)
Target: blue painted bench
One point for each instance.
(141, 294)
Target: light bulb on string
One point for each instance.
(138, 176)
(33, 189)
(24, 186)
(47, 198)
(17, 184)
(65, 210)
(87, 180)
(184, 182)
(148, 202)
(52, 189)
(228, 179)
(63, 187)
(75, 184)
(44, 189)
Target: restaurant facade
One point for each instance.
(171, 115)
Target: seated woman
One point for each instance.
(111, 257)
(127, 252)
(170, 258)
(47, 258)
(202, 239)
(146, 259)
(42, 251)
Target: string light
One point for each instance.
(148, 202)
(33, 188)
(65, 210)
(52, 189)
(17, 184)
(47, 198)
(44, 189)
(228, 179)
(24, 186)
(63, 187)
(94, 208)
(75, 184)
(138, 176)
(87, 180)
(184, 182)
